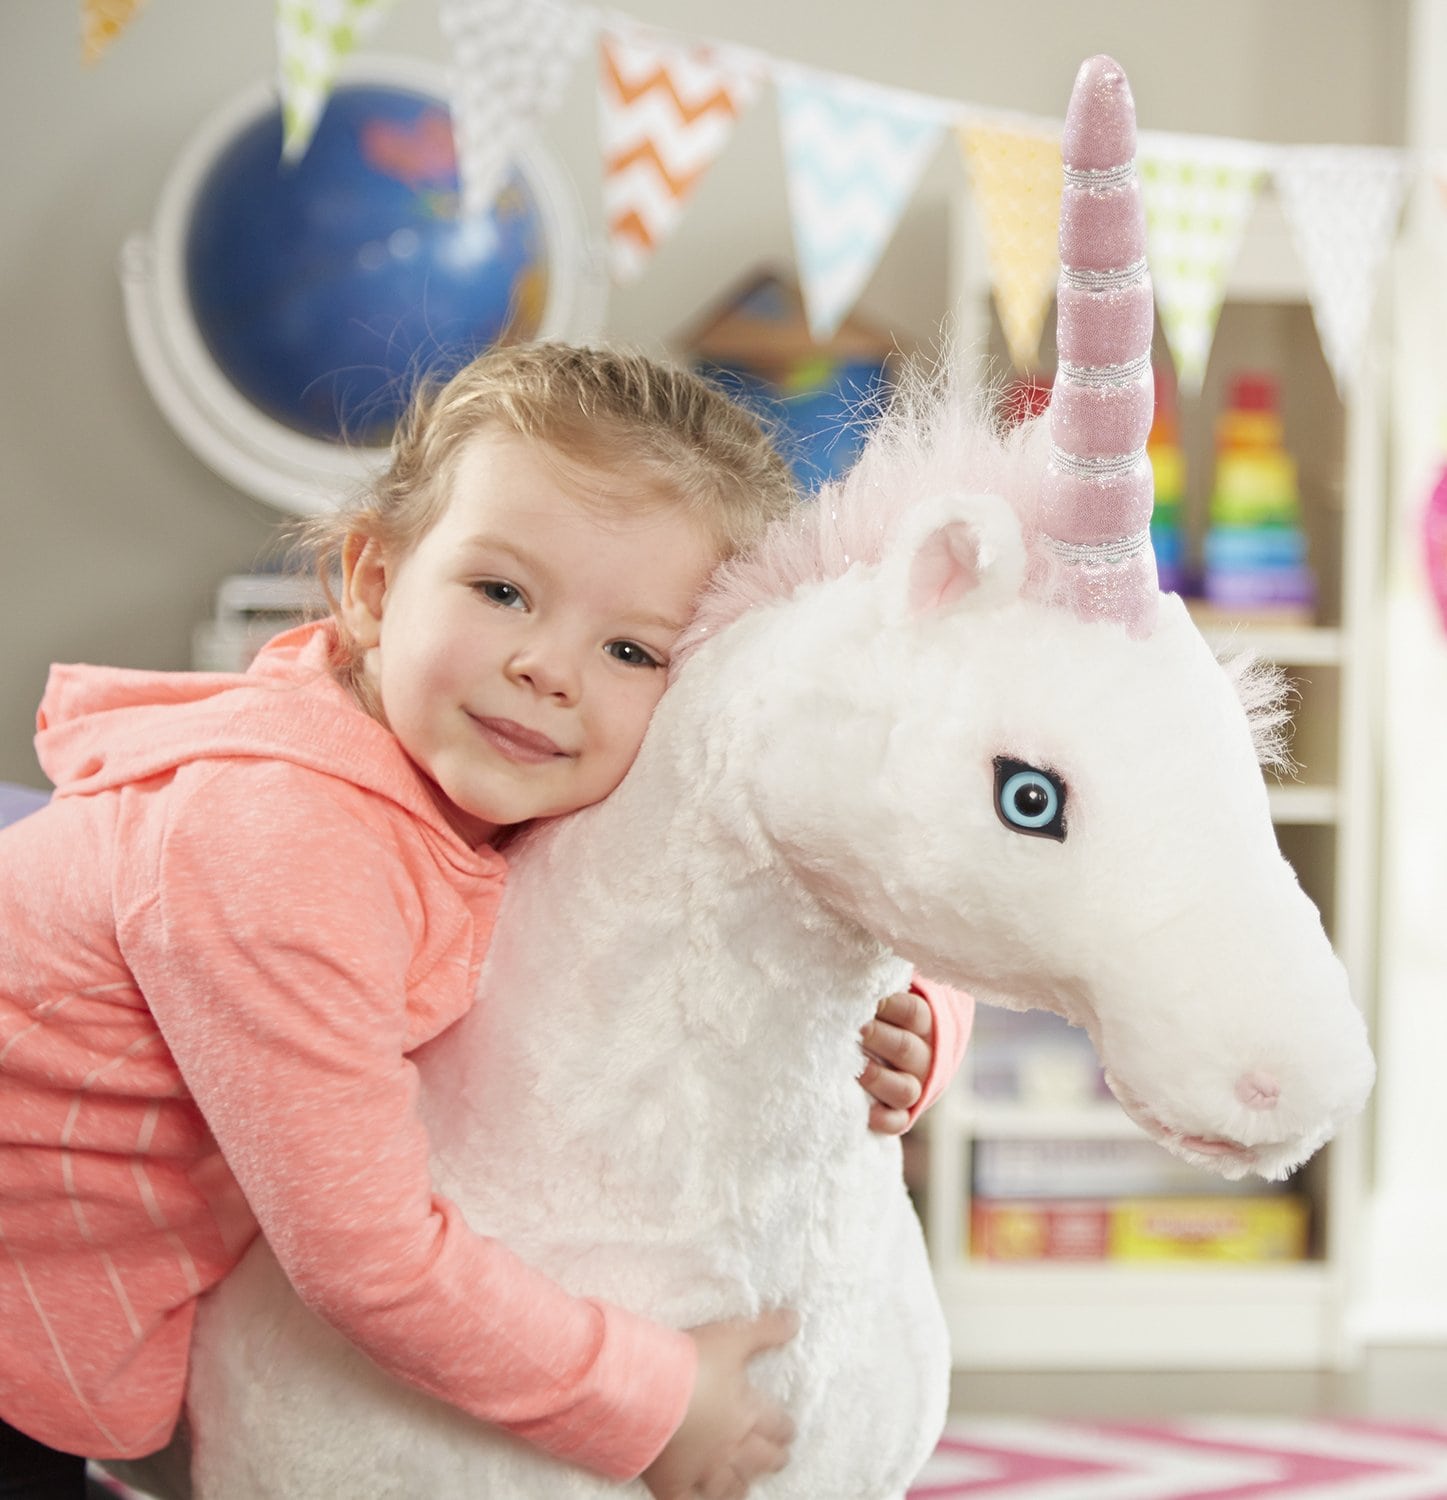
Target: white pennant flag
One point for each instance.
(1199, 194)
(511, 60)
(853, 153)
(1342, 204)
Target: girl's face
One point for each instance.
(519, 649)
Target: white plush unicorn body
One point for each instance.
(654, 1103)
(932, 726)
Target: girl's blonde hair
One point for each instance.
(677, 438)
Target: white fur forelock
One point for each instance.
(934, 438)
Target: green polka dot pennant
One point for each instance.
(1199, 194)
(312, 38)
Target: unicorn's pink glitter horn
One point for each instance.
(1098, 489)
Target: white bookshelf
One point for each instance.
(1164, 1315)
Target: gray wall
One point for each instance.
(113, 537)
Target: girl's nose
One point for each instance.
(548, 670)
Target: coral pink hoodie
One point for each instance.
(218, 945)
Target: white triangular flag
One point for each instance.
(511, 60)
(853, 153)
(1342, 204)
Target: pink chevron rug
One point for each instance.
(1200, 1458)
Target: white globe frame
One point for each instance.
(247, 448)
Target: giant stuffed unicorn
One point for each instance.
(942, 719)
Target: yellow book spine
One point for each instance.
(1215, 1229)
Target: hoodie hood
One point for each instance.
(101, 728)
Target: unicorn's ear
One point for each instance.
(956, 552)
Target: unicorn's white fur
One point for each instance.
(654, 1098)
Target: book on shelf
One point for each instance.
(1032, 1057)
(1092, 1167)
(251, 609)
(1251, 1230)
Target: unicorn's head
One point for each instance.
(989, 743)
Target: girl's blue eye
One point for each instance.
(508, 595)
(632, 654)
(1028, 799)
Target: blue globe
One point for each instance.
(324, 290)
(821, 409)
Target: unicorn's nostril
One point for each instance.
(1258, 1090)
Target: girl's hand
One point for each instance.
(899, 1046)
(732, 1433)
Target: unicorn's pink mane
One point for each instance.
(933, 438)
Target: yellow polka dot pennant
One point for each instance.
(1016, 176)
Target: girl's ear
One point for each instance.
(364, 588)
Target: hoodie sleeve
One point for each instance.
(953, 1014)
(273, 950)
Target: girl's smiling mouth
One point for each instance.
(517, 742)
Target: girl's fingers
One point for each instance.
(888, 1121)
(908, 1011)
(889, 1087)
(896, 1048)
(758, 1455)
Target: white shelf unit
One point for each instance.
(1195, 1315)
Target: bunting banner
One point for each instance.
(511, 60)
(1017, 177)
(666, 113)
(312, 38)
(1199, 195)
(101, 22)
(853, 154)
(1341, 204)
(854, 151)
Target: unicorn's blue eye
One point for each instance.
(1029, 799)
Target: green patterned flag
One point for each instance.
(312, 38)
(1199, 194)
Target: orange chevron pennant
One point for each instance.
(647, 154)
(101, 22)
(667, 112)
(689, 110)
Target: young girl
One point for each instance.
(253, 897)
